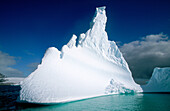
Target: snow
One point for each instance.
(13, 80)
(159, 82)
(91, 68)
(117, 88)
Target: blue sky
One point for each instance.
(29, 27)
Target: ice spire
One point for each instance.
(99, 18)
(96, 39)
(96, 36)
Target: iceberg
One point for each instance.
(88, 67)
(159, 82)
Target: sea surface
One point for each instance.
(128, 102)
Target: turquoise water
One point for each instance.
(129, 102)
(138, 102)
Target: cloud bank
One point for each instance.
(33, 66)
(146, 54)
(5, 62)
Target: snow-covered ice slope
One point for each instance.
(159, 82)
(94, 67)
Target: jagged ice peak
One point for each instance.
(93, 67)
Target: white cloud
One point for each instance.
(157, 37)
(29, 53)
(33, 66)
(5, 62)
(145, 54)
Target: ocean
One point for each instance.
(128, 102)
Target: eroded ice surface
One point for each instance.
(92, 68)
(159, 82)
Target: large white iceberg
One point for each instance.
(159, 82)
(92, 67)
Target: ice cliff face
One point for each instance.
(94, 67)
(159, 82)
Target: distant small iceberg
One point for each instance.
(159, 82)
(13, 80)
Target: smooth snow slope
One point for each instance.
(94, 67)
(159, 82)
